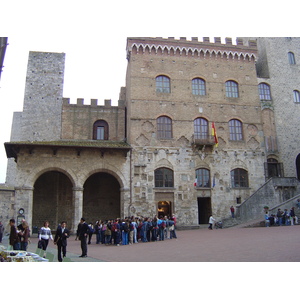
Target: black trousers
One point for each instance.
(61, 249)
(83, 245)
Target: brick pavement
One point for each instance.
(274, 244)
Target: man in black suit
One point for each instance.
(83, 233)
(62, 233)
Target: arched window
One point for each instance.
(296, 96)
(231, 89)
(198, 87)
(239, 178)
(292, 60)
(163, 177)
(200, 129)
(235, 130)
(202, 178)
(164, 128)
(273, 168)
(264, 91)
(100, 130)
(163, 84)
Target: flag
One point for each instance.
(214, 181)
(195, 183)
(214, 133)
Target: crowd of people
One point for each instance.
(284, 217)
(131, 230)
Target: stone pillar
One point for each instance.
(24, 199)
(78, 207)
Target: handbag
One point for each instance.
(40, 244)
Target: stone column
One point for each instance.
(24, 199)
(78, 207)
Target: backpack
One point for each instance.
(107, 231)
(125, 227)
(114, 227)
(163, 224)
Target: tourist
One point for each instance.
(14, 239)
(60, 239)
(107, 233)
(172, 229)
(211, 222)
(267, 219)
(24, 235)
(44, 236)
(232, 211)
(97, 228)
(83, 234)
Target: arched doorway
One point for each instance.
(298, 166)
(101, 197)
(164, 209)
(52, 200)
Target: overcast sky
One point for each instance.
(93, 34)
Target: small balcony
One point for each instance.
(203, 140)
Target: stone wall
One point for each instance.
(7, 205)
(283, 79)
(145, 104)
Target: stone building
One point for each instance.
(188, 136)
(278, 74)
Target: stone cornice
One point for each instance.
(204, 49)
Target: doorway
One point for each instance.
(204, 209)
(164, 209)
(52, 200)
(298, 166)
(101, 197)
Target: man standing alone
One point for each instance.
(62, 233)
(232, 211)
(83, 233)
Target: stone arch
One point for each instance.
(101, 196)
(31, 178)
(52, 198)
(164, 163)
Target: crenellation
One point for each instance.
(228, 41)
(93, 103)
(80, 101)
(193, 47)
(107, 102)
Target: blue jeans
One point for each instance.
(161, 234)
(173, 234)
(124, 238)
(16, 246)
(107, 239)
(98, 237)
(24, 246)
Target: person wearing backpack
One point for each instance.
(116, 232)
(125, 230)
(161, 228)
(154, 229)
(107, 233)
(131, 231)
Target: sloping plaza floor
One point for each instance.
(273, 244)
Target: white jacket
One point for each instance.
(211, 220)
